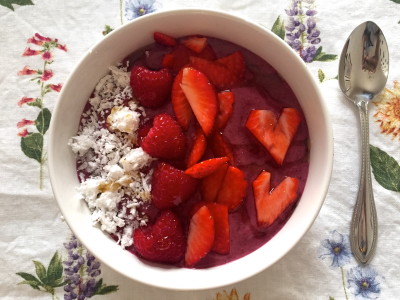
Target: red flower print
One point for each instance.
(56, 87)
(62, 47)
(47, 56)
(42, 38)
(25, 100)
(30, 52)
(23, 133)
(47, 74)
(27, 71)
(25, 122)
(34, 41)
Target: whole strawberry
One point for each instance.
(164, 139)
(150, 87)
(164, 241)
(170, 186)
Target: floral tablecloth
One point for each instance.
(40, 43)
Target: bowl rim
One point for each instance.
(238, 265)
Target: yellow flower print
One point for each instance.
(232, 296)
(388, 111)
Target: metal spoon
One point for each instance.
(363, 72)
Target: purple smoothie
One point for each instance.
(263, 89)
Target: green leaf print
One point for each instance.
(32, 146)
(279, 28)
(396, 1)
(30, 279)
(9, 3)
(322, 56)
(385, 169)
(321, 75)
(43, 120)
(55, 270)
(40, 271)
(103, 289)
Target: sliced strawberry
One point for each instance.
(164, 241)
(201, 96)
(165, 138)
(200, 237)
(164, 39)
(206, 167)
(198, 148)
(183, 111)
(195, 43)
(151, 88)
(271, 204)
(211, 184)
(275, 135)
(233, 188)
(221, 226)
(225, 72)
(225, 108)
(167, 61)
(170, 186)
(221, 147)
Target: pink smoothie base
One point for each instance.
(264, 89)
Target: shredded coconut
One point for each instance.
(109, 161)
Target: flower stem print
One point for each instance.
(77, 276)
(32, 131)
(362, 281)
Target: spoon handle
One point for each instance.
(364, 226)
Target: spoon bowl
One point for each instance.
(363, 72)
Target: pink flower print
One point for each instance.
(42, 38)
(34, 41)
(56, 87)
(30, 52)
(23, 132)
(27, 71)
(47, 56)
(25, 122)
(47, 74)
(62, 47)
(25, 100)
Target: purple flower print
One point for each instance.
(137, 8)
(363, 282)
(336, 249)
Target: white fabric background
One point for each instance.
(31, 225)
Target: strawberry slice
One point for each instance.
(221, 147)
(198, 148)
(206, 167)
(201, 96)
(200, 237)
(275, 135)
(221, 226)
(225, 108)
(233, 188)
(211, 184)
(164, 39)
(171, 186)
(180, 104)
(195, 43)
(225, 72)
(163, 241)
(271, 204)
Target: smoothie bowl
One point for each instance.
(190, 149)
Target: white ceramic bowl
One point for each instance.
(113, 48)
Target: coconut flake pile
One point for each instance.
(109, 159)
